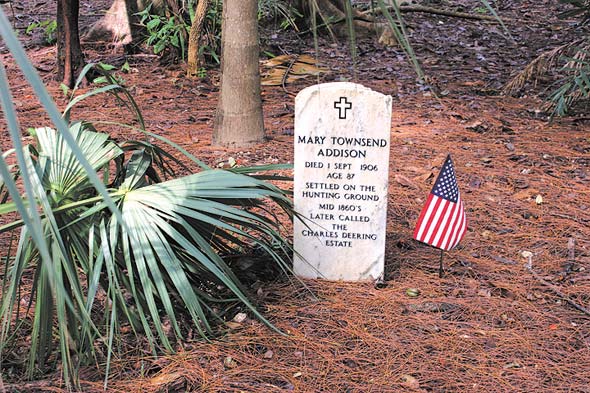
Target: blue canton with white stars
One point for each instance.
(446, 184)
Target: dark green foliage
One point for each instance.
(48, 27)
(575, 85)
(164, 32)
(168, 31)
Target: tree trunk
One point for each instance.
(120, 24)
(194, 37)
(239, 120)
(70, 58)
(328, 9)
(332, 13)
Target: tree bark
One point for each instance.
(120, 24)
(332, 13)
(70, 58)
(329, 9)
(239, 120)
(194, 37)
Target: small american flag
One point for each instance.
(442, 223)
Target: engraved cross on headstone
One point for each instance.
(343, 105)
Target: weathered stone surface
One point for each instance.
(342, 134)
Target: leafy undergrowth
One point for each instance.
(489, 324)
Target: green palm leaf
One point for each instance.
(171, 227)
(64, 174)
(154, 249)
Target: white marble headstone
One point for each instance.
(341, 179)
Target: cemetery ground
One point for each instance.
(491, 324)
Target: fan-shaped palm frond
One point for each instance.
(109, 243)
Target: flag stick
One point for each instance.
(440, 266)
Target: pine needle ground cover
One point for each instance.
(489, 325)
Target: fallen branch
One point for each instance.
(553, 288)
(286, 75)
(568, 217)
(436, 11)
(32, 386)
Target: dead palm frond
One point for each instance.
(575, 86)
(571, 60)
(539, 67)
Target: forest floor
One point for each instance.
(490, 324)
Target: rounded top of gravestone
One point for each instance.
(339, 86)
(344, 97)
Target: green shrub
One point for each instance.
(575, 85)
(108, 241)
(164, 32)
(49, 28)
